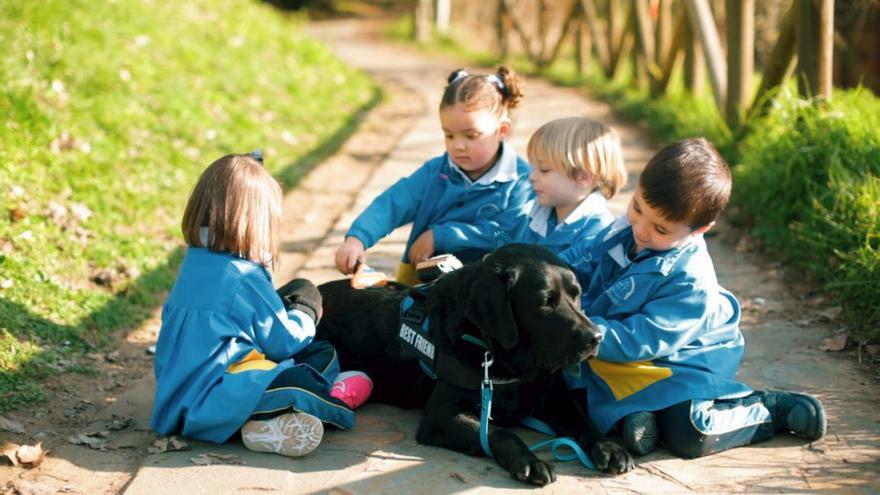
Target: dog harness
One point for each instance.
(413, 333)
(413, 336)
(415, 339)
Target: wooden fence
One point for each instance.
(659, 36)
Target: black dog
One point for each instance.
(523, 302)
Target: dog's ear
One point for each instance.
(488, 305)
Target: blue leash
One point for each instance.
(486, 404)
(555, 443)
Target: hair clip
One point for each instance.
(459, 75)
(257, 155)
(498, 83)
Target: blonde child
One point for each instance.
(455, 197)
(577, 164)
(233, 354)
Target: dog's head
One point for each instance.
(526, 303)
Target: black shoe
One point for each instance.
(800, 414)
(640, 433)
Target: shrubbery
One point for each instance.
(809, 184)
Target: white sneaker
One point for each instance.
(292, 434)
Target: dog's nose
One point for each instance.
(590, 336)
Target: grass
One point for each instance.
(809, 184)
(109, 111)
(806, 176)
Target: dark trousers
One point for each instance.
(305, 387)
(697, 428)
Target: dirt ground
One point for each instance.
(786, 321)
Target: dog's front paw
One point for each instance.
(611, 458)
(530, 469)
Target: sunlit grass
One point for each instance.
(108, 113)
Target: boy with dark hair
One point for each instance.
(671, 340)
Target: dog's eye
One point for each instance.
(552, 299)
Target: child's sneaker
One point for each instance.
(800, 414)
(291, 434)
(352, 387)
(640, 434)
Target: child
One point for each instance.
(455, 196)
(577, 163)
(671, 340)
(232, 355)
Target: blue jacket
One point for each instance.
(670, 332)
(440, 197)
(225, 336)
(540, 225)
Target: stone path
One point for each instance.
(783, 328)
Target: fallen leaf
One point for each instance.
(104, 277)
(17, 212)
(457, 476)
(80, 211)
(31, 455)
(831, 313)
(16, 191)
(834, 344)
(10, 425)
(57, 213)
(64, 142)
(28, 456)
(338, 491)
(22, 487)
(96, 440)
(169, 444)
(9, 450)
(119, 423)
(211, 458)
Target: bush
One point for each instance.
(809, 183)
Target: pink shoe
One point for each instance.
(352, 387)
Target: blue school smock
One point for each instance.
(581, 225)
(441, 197)
(670, 331)
(225, 336)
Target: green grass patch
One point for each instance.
(806, 176)
(109, 111)
(809, 183)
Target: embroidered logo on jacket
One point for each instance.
(487, 211)
(622, 290)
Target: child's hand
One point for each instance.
(349, 255)
(301, 294)
(423, 248)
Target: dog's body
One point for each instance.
(522, 301)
